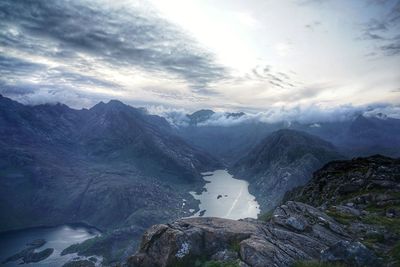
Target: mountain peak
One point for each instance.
(114, 102)
(200, 116)
(112, 105)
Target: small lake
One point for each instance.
(58, 238)
(226, 197)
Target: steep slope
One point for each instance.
(118, 132)
(227, 143)
(282, 161)
(111, 166)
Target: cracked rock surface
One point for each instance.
(296, 231)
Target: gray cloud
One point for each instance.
(274, 78)
(61, 29)
(20, 77)
(386, 28)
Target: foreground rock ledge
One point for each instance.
(296, 231)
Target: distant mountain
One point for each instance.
(200, 116)
(110, 166)
(283, 160)
(234, 114)
(359, 136)
(371, 135)
(355, 136)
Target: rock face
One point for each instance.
(282, 161)
(296, 231)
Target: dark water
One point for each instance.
(226, 197)
(59, 238)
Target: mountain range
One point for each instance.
(110, 166)
(358, 135)
(121, 169)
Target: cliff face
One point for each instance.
(355, 222)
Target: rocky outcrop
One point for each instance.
(296, 231)
(364, 181)
(363, 194)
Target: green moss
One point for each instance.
(349, 196)
(393, 224)
(342, 217)
(372, 242)
(395, 253)
(266, 216)
(235, 246)
(316, 264)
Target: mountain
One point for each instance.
(237, 139)
(200, 116)
(349, 216)
(283, 160)
(112, 166)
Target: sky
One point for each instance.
(248, 55)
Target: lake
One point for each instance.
(226, 197)
(59, 238)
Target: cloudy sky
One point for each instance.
(190, 54)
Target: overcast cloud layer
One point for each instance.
(268, 57)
